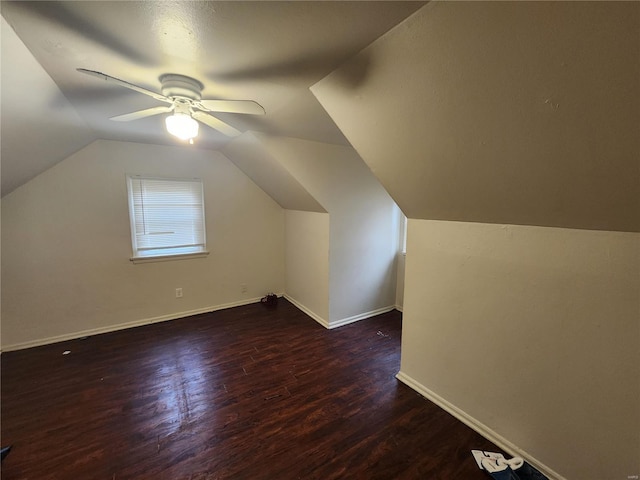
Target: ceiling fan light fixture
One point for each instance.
(186, 102)
(181, 125)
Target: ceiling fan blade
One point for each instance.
(232, 106)
(122, 83)
(216, 124)
(127, 117)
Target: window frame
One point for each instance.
(403, 233)
(161, 257)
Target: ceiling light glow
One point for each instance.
(181, 125)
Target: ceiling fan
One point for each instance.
(183, 94)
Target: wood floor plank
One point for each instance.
(245, 393)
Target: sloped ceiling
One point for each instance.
(249, 154)
(270, 52)
(502, 112)
(305, 175)
(39, 126)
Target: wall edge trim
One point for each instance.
(124, 326)
(476, 425)
(309, 312)
(361, 316)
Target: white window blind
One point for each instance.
(167, 216)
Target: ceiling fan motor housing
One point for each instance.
(176, 86)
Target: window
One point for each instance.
(167, 217)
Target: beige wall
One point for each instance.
(502, 112)
(363, 219)
(532, 332)
(307, 262)
(514, 113)
(66, 245)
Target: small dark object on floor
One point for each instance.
(4, 451)
(271, 300)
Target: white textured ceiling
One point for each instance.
(270, 52)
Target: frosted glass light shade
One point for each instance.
(182, 126)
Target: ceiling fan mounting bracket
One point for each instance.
(174, 85)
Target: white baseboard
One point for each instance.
(478, 426)
(399, 308)
(123, 326)
(361, 316)
(188, 313)
(313, 315)
(338, 323)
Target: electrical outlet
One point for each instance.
(243, 288)
(178, 292)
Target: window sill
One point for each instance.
(168, 258)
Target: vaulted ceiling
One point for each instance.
(269, 52)
(496, 112)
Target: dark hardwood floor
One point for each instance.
(244, 393)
